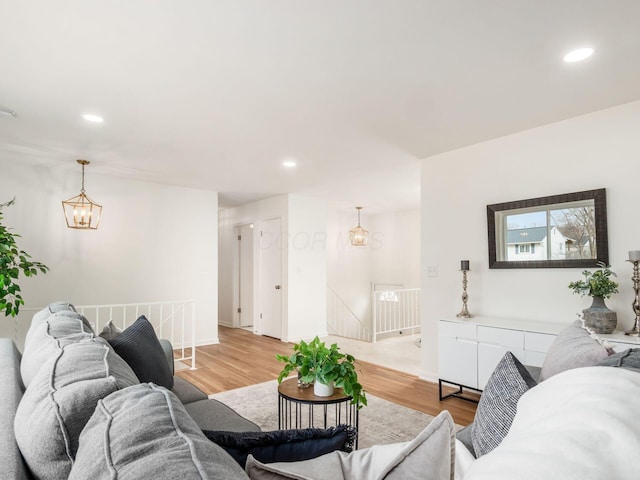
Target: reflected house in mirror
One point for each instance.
(530, 243)
(568, 230)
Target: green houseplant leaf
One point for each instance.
(597, 283)
(13, 262)
(317, 362)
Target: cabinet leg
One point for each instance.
(458, 393)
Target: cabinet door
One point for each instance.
(538, 342)
(621, 347)
(536, 346)
(493, 343)
(457, 330)
(489, 355)
(458, 360)
(535, 359)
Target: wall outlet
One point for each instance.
(432, 270)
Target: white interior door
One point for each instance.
(245, 276)
(271, 278)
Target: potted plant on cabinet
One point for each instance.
(325, 367)
(12, 262)
(599, 285)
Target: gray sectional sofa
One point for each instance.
(73, 405)
(209, 414)
(69, 390)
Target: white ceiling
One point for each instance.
(215, 94)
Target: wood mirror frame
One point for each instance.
(601, 236)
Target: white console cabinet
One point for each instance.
(470, 349)
(621, 342)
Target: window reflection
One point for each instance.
(560, 231)
(551, 234)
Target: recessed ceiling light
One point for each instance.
(578, 55)
(289, 164)
(7, 113)
(89, 117)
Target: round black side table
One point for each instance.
(301, 408)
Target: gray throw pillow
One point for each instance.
(498, 402)
(144, 432)
(573, 348)
(110, 331)
(60, 400)
(627, 359)
(51, 309)
(41, 316)
(429, 456)
(50, 330)
(464, 436)
(139, 346)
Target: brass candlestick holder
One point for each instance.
(464, 313)
(635, 331)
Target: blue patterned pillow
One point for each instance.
(497, 406)
(284, 445)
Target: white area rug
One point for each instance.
(381, 421)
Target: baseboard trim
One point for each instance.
(428, 377)
(199, 343)
(208, 341)
(308, 337)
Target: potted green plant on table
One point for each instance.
(599, 285)
(325, 367)
(13, 261)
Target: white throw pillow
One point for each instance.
(464, 460)
(579, 424)
(429, 456)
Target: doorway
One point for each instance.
(243, 297)
(271, 278)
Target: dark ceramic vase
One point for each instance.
(599, 318)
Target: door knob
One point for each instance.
(277, 287)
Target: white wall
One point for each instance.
(154, 243)
(229, 218)
(304, 222)
(396, 248)
(307, 292)
(349, 268)
(392, 255)
(588, 152)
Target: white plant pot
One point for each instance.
(322, 390)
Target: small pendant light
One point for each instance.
(358, 234)
(80, 211)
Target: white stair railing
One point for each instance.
(341, 320)
(172, 320)
(395, 310)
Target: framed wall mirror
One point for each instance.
(559, 231)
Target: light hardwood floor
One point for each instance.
(242, 358)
